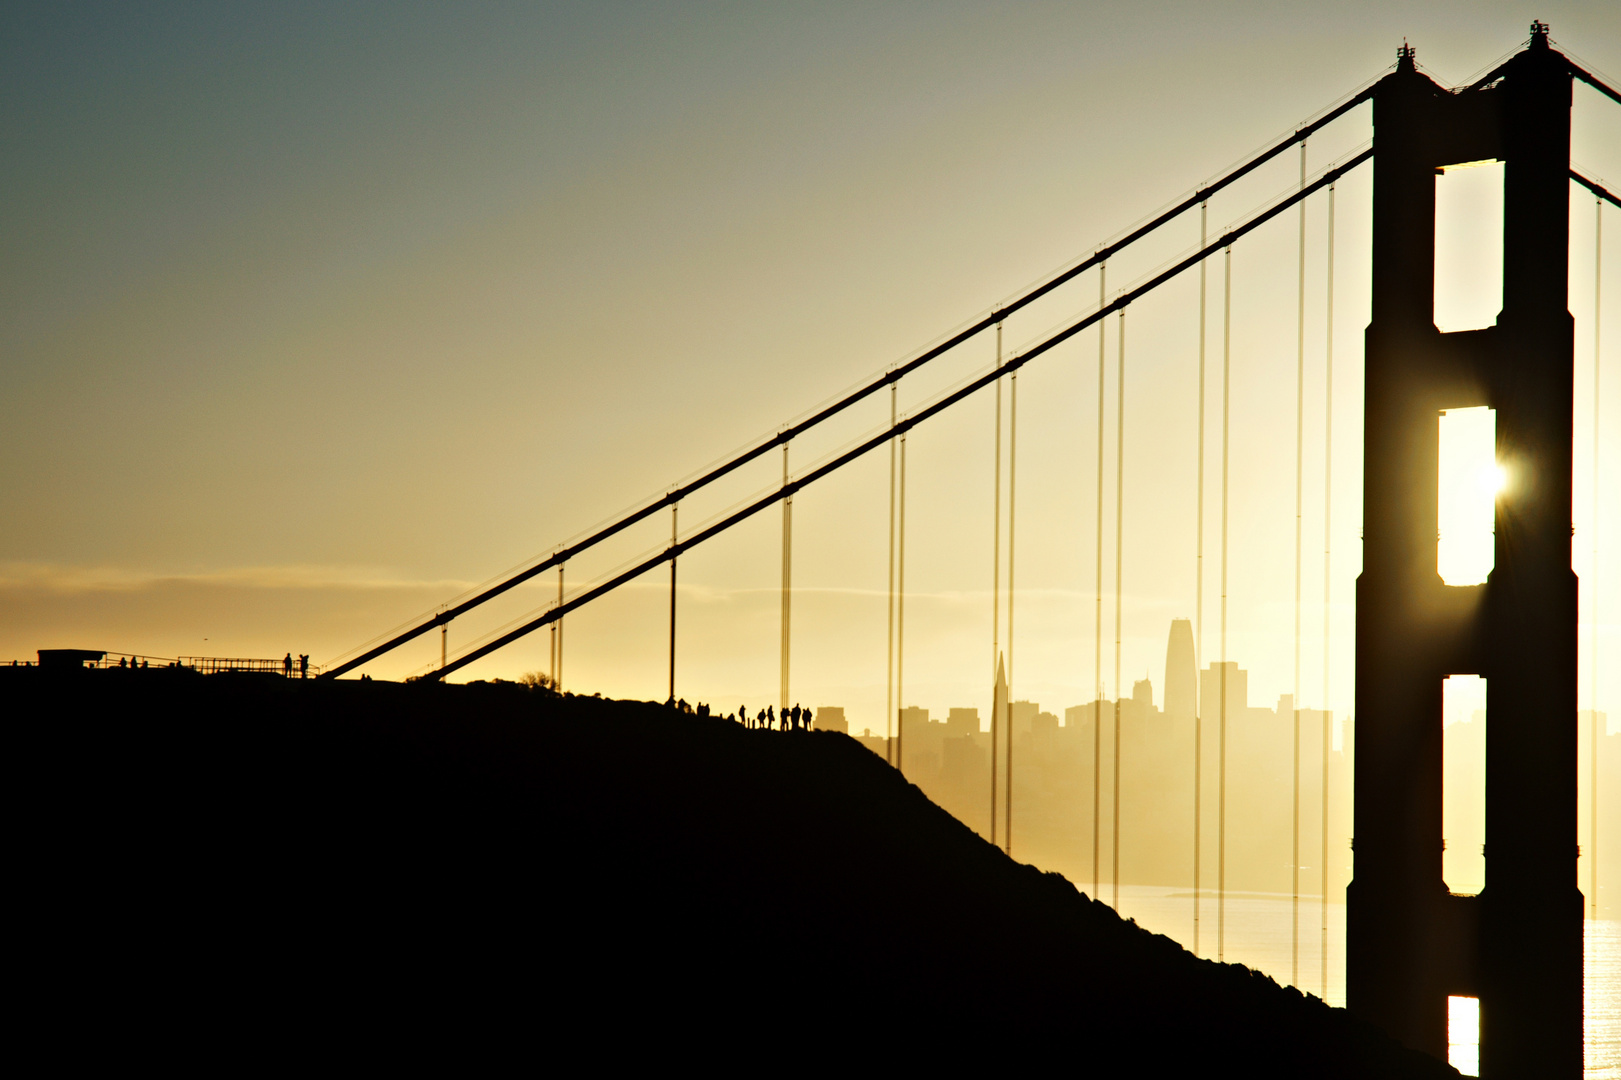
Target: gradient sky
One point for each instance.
(313, 316)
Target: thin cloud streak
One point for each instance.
(55, 577)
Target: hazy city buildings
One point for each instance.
(1054, 766)
(830, 718)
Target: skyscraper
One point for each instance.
(1181, 672)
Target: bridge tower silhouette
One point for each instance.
(1517, 946)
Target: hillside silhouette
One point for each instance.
(270, 864)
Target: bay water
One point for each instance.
(1258, 930)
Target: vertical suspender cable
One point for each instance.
(1119, 540)
(1592, 760)
(444, 642)
(559, 625)
(674, 507)
(1221, 783)
(1300, 488)
(1328, 521)
(1097, 629)
(787, 575)
(900, 626)
(889, 607)
(1198, 600)
(996, 575)
(1012, 471)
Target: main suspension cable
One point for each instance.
(888, 378)
(904, 426)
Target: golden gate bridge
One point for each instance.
(1412, 945)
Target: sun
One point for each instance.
(1493, 479)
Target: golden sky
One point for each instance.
(312, 317)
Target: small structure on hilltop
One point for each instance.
(58, 659)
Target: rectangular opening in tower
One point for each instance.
(1463, 1034)
(1463, 783)
(1468, 246)
(1467, 484)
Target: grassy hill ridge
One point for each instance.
(415, 861)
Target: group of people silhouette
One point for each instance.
(303, 665)
(794, 719)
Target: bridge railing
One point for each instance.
(206, 665)
(214, 665)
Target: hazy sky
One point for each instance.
(312, 316)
